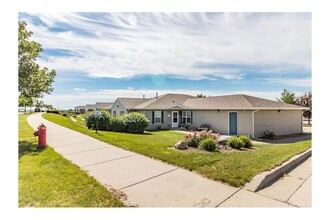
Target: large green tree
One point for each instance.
(306, 101)
(287, 97)
(33, 80)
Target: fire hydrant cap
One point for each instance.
(41, 126)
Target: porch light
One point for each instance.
(169, 115)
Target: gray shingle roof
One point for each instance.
(131, 103)
(164, 101)
(238, 101)
(104, 105)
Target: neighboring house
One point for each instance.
(125, 105)
(231, 114)
(90, 107)
(104, 106)
(81, 109)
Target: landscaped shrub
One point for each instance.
(207, 144)
(246, 141)
(192, 140)
(117, 124)
(101, 122)
(269, 134)
(64, 115)
(53, 111)
(235, 142)
(135, 122)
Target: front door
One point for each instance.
(175, 119)
(232, 123)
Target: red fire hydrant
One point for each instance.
(41, 133)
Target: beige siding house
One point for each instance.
(80, 109)
(124, 105)
(90, 107)
(232, 114)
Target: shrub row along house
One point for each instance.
(231, 114)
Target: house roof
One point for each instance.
(131, 103)
(166, 101)
(239, 101)
(81, 107)
(104, 105)
(89, 106)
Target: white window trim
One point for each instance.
(160, 118)
(185, 117)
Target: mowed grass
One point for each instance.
(235, 168)
(46, 179)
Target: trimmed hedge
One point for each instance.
(102, 121)
(135, 122)
(239, 142)
(53, 111)
(207, 144)
(117, 124)
(235, 142)
(246, 141)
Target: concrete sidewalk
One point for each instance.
(145, 181)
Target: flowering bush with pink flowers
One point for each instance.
(193, 140)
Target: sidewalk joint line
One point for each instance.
(298, 188)
(107, 161)
(228, 197)
(278, 200)
(149, 178)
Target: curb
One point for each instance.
(266, 178)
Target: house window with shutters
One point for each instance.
(186, 117)
(158, 117)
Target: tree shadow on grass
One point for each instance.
(28, 147)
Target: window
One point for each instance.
(158, 117)
(121, 112)
(186, 117)
(114, 113)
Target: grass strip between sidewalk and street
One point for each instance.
(46, 179)
(235, 168)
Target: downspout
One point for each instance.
(302, 121)
(253, 122)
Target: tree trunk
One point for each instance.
(309, 121)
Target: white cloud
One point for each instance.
(126, 45)
(299, 82)
(79, 89)
(70, 101)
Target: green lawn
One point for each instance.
(235, 168)
(46, 179)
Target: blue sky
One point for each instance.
(102, 56)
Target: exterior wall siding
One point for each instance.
(219, 121)
(166, 120)
(284, 122)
